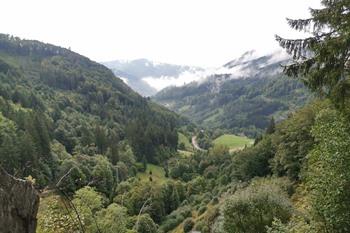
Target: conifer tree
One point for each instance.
(322, 60)
(271, 128)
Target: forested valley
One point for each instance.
(106, 160)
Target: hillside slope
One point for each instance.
(241, 98)
(54, 101)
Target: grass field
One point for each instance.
(158, 174)
(183, 139)
(232, 141)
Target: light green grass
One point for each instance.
(158, 174)
(183, 139)
(233, 141)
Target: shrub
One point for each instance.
(182, 146)
(175, 218)
(214, 201)
(140, 167)
(253, 209)
(202, 210)
(145, 224)
(188, 225)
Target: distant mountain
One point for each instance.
(241, 96)
(147, 77)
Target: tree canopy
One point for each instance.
(322, 59)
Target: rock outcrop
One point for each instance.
(19, 204)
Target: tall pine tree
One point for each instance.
(322, 60)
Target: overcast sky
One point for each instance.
(193, 32)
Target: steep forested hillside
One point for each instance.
(243, 101)
(58, 108)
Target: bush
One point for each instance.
(215, 201)
(175, 218)
(171, 223)
(146, 224)
(202, 227)
(182, 146)
(188, 225)
(253, 161)
(199, 226)
(140, 167)
(254, 208)
(202, 210)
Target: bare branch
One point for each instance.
(64, 176)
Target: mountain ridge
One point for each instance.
(143, 75)
(240, 97)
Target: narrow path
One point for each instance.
(195, 144)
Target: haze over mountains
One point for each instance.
(149, 77)
(242, 96)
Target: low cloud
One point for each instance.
(239, 68)
(162, 82)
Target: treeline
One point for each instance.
(35, 49)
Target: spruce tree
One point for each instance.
(321, 61)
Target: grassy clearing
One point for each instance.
(232, 141)
(183, 139)
(158, 174)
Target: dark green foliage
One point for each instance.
(113, 219)
(202, 209)
(210, 164)
(173, 195)
(240, 106)
(25, 144)
(203, 140)
(272, 126)
(102, 176)
(293, 141)
(253, 161)
(255, 207)
(181, 146)
(64, 116)
(188, 225)
(175, 218)
(322, 60)
(145, 224)
(75, 179)
(9, 153)
(328, 173)
(150, 134)
(48, 94)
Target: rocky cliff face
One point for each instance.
(19, 204)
